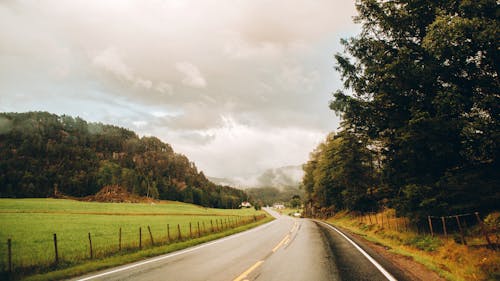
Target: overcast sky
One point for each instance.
(237, 86)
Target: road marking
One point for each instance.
(374, 262)
(286, 241)
(281, 243)
(177, 253)
(248, 271)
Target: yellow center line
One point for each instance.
(248, 271)
(281, 243)
(286, 241)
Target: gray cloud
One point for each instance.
(215, 79)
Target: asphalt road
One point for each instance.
(285, 249)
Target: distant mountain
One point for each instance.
(43, 155)
(287, 176)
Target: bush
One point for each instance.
(493, 220)
(425, 243)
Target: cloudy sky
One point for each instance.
(237, 86)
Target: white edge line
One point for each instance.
(177, 253)
(374, 262)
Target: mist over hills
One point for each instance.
(281, 177)
(271, 186)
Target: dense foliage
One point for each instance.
(420, 111)
(42, 154)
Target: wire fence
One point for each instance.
(60, 250)
(460, 227)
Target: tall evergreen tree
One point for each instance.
(424, 81)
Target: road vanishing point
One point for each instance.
(284, 249)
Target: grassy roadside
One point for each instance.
(450, 260)
(120, 259)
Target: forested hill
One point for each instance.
(42, 152)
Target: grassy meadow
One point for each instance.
(31, 223)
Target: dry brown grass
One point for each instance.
(443, 255)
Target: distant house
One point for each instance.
(245, 204)
(279, 206)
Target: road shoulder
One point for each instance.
(403, 267)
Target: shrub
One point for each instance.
(425, 243)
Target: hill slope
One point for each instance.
(42, 154)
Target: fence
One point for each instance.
(62, 250)
(460, 227)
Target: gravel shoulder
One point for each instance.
(410, 267)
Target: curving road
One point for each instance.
(284, 249)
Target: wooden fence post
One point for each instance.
(199, 229)
(204, 229)
(9, 253)
(55, 248)
(151, 236)
(370, 217)
(120, 240)
(376, 219)
(382, 219)
(483, 229)
(461, 231)
(90, 244)
(388, 221)
(430, 225)
(179, 235)
(140, 238)
(190, 231)
(443, 221)
(168, 232)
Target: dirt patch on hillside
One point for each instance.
(116, 194)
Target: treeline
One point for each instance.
(420, 112)
(267, 196)
(43, 153)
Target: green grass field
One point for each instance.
(31, 223)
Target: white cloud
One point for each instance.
(192, 75)
(252, 149)
(110, 60)
(164, 88)
(139, 124)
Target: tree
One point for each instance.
(295, 201)
(424, 81)
(342, 175)
(41, 152)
